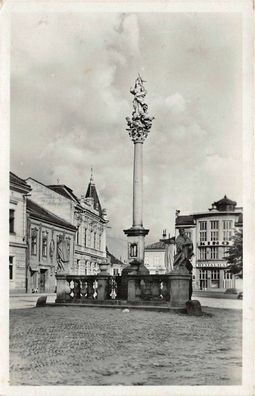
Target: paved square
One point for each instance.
(94, 346)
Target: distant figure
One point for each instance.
(62, 254)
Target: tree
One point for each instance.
(235, 254)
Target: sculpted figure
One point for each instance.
(62, 254)
(140, 123)
(184, 251)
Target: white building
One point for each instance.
(211, 232)
(154, 254)
(19, 190)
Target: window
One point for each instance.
(85, 237)
(214, 252)
(227, 230)
(78, 267)
(202, 253)
(95, 238)
(115, 271)
(100, 241)
(78, 236)
(11, 221)
(214, 230)
(34, 242)
(203, 279)
(11, 272)
(215, 278)
(44, 244)
(203, 231)
(188, 233)
(214, 224)
(227, 275)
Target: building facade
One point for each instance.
(158, 253)
(19, 191)
(44, 232)
(115, 265)
(86, 214)
(211, 232)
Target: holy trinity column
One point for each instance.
(139, 126)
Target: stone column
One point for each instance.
(138, 127)
(138, 185)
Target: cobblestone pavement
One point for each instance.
(29, 301)
(94, 346)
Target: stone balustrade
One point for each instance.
(171, 289)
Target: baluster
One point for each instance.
(84, 286)
(77, 289)
(163, 289)
(90, 290)
(95, 286)
(113, 288)
(71, 285)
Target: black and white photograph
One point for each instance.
(127, 174)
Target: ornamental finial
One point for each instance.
(91, 175)
(140, 124)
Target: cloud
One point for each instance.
(70, 82)
(176, 103)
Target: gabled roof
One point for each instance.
(184, 220)
(156, 245)
(63, 190)
(113, 259)
(92, 193)
(35, 210)
(18, 183)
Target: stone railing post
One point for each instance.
(131, 289)
(179, 288)
(102, 280)
(102, 288)
(63, 288)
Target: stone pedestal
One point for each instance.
(179, 288)
(102, 288)
(136, 236)
(131, 290)
(63, 288)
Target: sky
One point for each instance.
(71, 75)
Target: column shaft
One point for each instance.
(138, 185)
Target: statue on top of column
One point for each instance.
(140, 123)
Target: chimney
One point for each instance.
(164, 234)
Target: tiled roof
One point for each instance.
(92, 193)
(225, 201)
(40, 213)
(184, 220)
(63, 190)
(113, 259)
(17, 181)
(156, 245)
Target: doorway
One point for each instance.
(42, 280)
